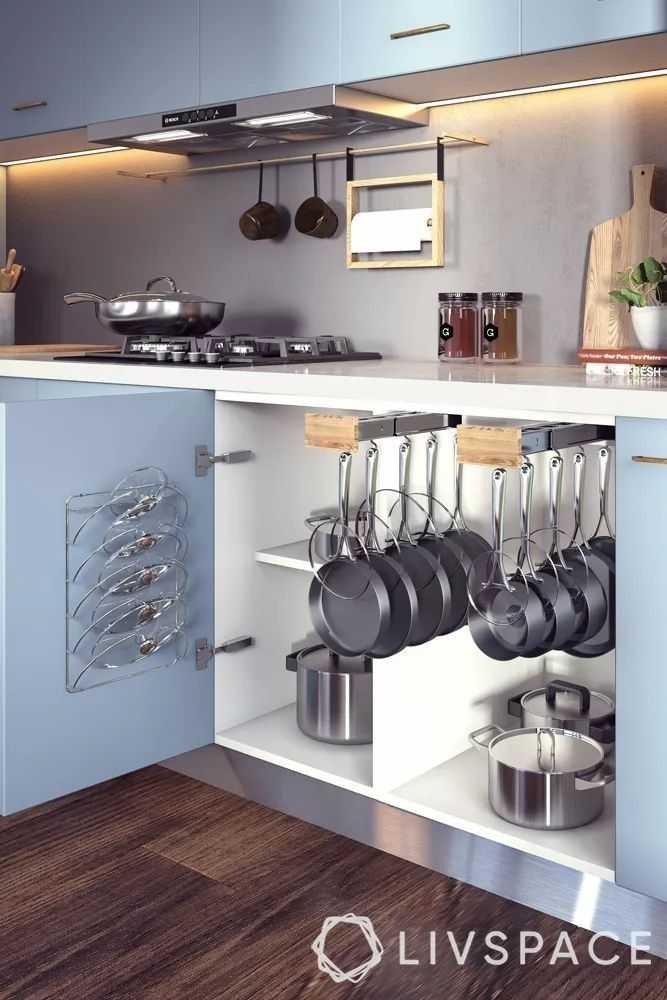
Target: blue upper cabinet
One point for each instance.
(378, 38)
(548, 25)
(265, 47)
(140, 56)
(41, 67)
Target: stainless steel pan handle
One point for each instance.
(498, 487)
(578, 483)
(344, 473)
(555, 487)
(74, 298)
(431, 456)
(371, 540)
(403, 533)
(526, 478)
(603, 486)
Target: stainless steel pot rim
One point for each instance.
(320, 649)
(594, 750)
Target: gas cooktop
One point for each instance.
(231, 352)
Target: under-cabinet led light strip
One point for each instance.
(546, 88)
(65, 156)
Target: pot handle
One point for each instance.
(601, 776)
(159, 278)
(477, 741)
(74, 298)
(514, 705)
(553, 687)
(290, 662)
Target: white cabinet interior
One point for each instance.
(426, 700)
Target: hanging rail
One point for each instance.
(336, 154)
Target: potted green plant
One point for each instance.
(644, 290)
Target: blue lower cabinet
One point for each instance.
(641, 670)
(54, 740)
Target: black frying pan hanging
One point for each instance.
(313, 216)
(430, 579)
(348, 599)
(261, 221)
(402, 594)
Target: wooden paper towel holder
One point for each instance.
(436, 222)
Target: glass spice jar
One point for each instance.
(458, 326)
(501, 326)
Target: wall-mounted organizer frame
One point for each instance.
(344, 432)
(436, 212)
(126, 606)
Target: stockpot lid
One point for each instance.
(558, 703)
(555, 751)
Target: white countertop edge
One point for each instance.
(556, 392)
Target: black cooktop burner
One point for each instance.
(231, 352)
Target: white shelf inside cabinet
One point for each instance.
(293, 556)
(455, 793)
(275, 737)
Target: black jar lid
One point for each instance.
(458, 296)
(502, 296)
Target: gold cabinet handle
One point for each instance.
(649, 459)
(426, 30)
(29, 104)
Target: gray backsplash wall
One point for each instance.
(518, 217)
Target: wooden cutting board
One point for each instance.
(616, 245)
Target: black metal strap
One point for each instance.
(349, 162)
(440, 158)
(315, 175)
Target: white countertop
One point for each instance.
(521, 391)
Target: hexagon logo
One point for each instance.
(325, 964)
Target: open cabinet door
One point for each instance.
(55, 740)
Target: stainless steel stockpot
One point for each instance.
(545, 779)
(565, 705)
(334, 701)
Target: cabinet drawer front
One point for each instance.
(478, 30)
(641, 677)
(41, 67)
(265, 47)
(52, 741)
(547, 25)
(141, 56)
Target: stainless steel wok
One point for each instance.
(172, 313)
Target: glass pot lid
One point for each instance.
(550, 751)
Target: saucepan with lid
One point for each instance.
(173, 313)
(334, 702)
(567, 705)
(545, 779)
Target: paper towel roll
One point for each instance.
(392, 231)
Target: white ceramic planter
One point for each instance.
(650, 326)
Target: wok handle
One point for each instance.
(568, 687)
(74, 298)
(403, 534)
(344, 471)
(371, 539)
(477, 740)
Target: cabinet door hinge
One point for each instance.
(204, 460)
(205, 653)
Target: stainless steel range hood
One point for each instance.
(294, 116)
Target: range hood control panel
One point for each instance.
(197, 115)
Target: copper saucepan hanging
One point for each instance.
(313, 216)
(261, 221)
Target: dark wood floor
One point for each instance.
(157, 886)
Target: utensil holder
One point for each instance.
(126, 607)
(7, 324)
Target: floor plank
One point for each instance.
(156, 887)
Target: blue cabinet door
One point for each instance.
(641, 673)
(548, 25)
(141, 56)
(51, 741)
(265, 47)
(41, 67)
(479, 30)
